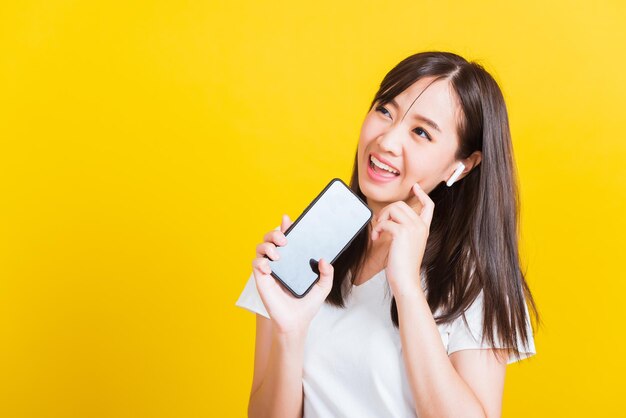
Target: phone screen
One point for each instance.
(324, 230)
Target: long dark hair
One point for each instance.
(473, 239)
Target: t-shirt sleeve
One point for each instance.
(468, 336)
(250, 299)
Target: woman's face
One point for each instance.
(399, 135)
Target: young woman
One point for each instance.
(421, 314)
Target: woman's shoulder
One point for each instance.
(468, 331)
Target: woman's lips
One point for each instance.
(378, 178)
(382, 160)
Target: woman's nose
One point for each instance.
(391, 141)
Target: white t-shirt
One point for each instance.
(353, 365)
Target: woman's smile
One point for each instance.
(380, 172)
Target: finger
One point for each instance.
(385, 213)
(276, 237)
(261, 266)
(410, 213)
(265, 282)
(267, 249)
(386, 226)
(325, 283)
(398, 212)
(413, 201)
(286, 223)
(393, 213)
(428, 205)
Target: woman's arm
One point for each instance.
(279, 353)
(484, 373)
(277, 382)
(469, 383)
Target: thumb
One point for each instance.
(326, 276)
(285, 224)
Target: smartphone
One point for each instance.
(324, 230)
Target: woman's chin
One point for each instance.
(375, 194)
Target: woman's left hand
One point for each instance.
(409, 226)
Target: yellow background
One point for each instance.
(147, 147)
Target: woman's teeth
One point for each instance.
(377, 164)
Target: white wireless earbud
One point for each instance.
(456, 174)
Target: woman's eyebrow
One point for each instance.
(429, 122)
(423, 118)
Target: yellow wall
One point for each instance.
(147, 146)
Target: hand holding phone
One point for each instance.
(289, 315)
(324, 230)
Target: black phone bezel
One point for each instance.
(303, 214)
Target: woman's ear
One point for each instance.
(471, 162)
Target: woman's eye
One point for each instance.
(381, 109)
(419, 131)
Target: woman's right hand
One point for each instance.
(288, 313)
